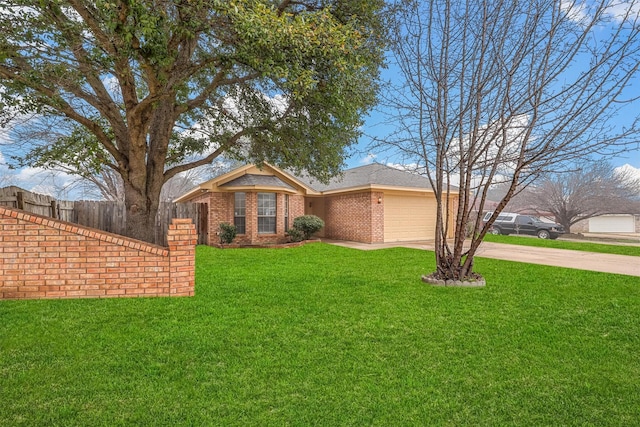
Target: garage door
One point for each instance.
(612, 224)
(408, 218)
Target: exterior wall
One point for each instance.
(221, 209)
(581, 226)
(316, 206)
(356, 217)
(296, 207)
(45, 258)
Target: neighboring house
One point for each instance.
(609, 223)
(620, 223)
(370, 204)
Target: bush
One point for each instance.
(295, 235)
(227, 233)
(307, 225)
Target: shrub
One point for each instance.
(295, 235)
(307, 224)
(227, 233)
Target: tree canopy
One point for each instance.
(152, 88)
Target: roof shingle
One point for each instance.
(372, 174)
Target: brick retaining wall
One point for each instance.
(45, 258)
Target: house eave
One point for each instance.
(256, 188)
(378, 187)
(190, 195)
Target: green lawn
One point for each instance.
(330, 336)
(604, 248)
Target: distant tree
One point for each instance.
(492, 91)
(587, 191)
(142, 87)
(79, 154)
(181, 183)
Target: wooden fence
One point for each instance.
(103, 215)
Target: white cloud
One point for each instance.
(38, 180)
(576, 11)
(629, 170)
(368, 159)
(620, 10)
(582, 12)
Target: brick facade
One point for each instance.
(352, 206)
(357, 217)
(45, 258)
(221, 209)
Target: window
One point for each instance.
(239, 212)
(266, 213)
(286, 212)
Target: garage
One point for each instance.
(409, 217)
(612, 224)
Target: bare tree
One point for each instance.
(180, 184)
(590, 190)
(502, 91)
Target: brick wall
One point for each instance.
(581, 226)
(357, 217)
(296, 207)
(221, 210)
(377, 216)
(45, 258)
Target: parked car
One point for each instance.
(514, 223)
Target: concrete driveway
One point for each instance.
(618, 264)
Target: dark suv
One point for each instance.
(513, 223)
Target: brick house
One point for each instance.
(370, 204)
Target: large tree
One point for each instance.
(501, 91)
(586, 191)
(154, 83)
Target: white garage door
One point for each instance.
(612, 224)
(408, 218)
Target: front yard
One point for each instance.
(324, 335)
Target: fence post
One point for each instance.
(54, 209)
(20, 200)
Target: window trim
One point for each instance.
(286, 213)
(241, 229)
(274, 216)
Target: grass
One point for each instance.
(324, 335)
(564, 244)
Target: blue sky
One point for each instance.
(45, 182)
(377, 126)
(374, 125)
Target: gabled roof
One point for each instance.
(249, 177)
(253, 180)
(374, 175)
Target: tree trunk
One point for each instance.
(141, 211)
(143, 171)
(566, 224)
